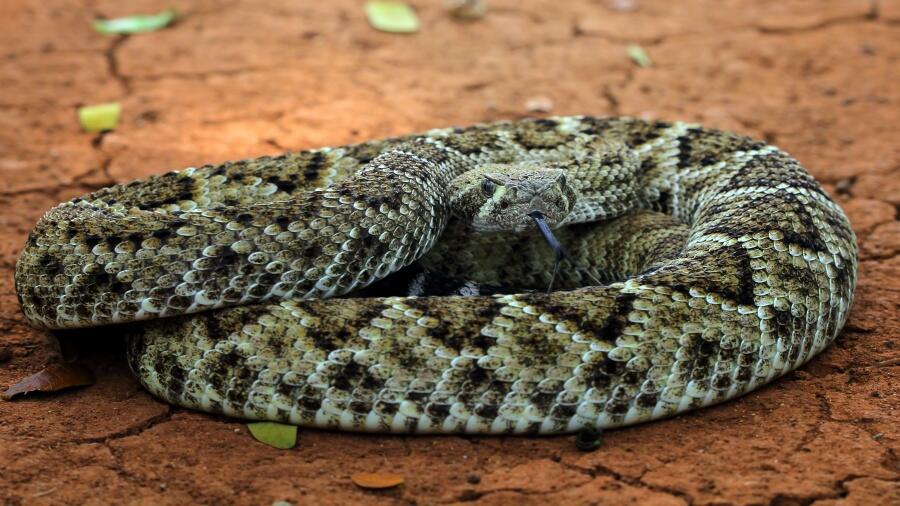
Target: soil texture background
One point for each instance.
(237, 78)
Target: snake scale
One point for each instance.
(723, 263)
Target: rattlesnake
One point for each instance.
(749, 274)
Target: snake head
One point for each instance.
(501, 197)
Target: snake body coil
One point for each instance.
(749, 276)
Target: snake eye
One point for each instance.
(488, 187)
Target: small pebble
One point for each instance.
(466, 9)
(622, 5)
(844, 186)
(539, 104)
(588, 439)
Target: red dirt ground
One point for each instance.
(235, 79)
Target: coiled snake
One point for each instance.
(723, 265)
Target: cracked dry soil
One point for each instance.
(237, 79)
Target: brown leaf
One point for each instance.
(52, 378)
(376, 480)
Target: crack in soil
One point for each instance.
(133, 430)
(870, 16)
(601, 470)
(187, 76)
(112, 64)
(816, 430)
(484, 452)
(470, 495)
(840, 492)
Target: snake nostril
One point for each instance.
(504, 204)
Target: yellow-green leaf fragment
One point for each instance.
(638, 55)
(394, 17)
(100, 117)
(139, 23)
(278, 435)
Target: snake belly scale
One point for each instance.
(235, 274)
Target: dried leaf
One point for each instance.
(638, 55)
(394, 17)
(100, 117)
(279, 435)
(377, 480)
(52, 378)
(136, 24)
